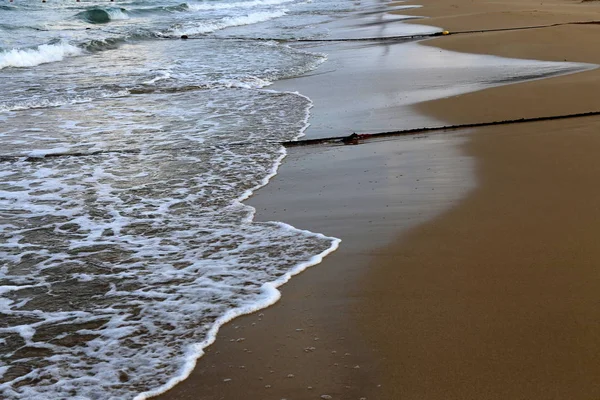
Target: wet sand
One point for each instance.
(498, 299)
(495, 298)
(349, 99)
(365, 194)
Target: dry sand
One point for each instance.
(496, 298)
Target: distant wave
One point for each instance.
(35, 103)
(45, 53)
(102, 16)
(205, 6)
(226, 6)
(211, 26)
(109, 43)
(162, 9)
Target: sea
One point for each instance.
(125, 156)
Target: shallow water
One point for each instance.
(125, 156)
(124, 159)
(349, 100)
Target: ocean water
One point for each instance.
(125, 155)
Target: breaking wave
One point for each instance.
(45, 53)
(101, 16)
(227, 6)
(215, 25)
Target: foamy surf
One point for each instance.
(271, 296)
(38, 103)
(45, 53)
(124, 241)
(228, 22)
(269, 292)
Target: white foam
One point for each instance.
(242, 4)
(227, 22)
(117, 14)
(35, 103)
(270, 293)
(45, 53)
(151, 220)
(183, 256)
(249, 82)
(39, 153)
(270, 296)
(163, 76)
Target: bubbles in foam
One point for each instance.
(123, 239)
(123, 258)
(57, 101)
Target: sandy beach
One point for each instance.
(468, 263)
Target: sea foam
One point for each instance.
(127, 248)
(45, 53)
(234, 5)
(102, 16)
(124, 241)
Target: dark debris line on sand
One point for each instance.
(404, 37)
(353, 138)
(356, 138)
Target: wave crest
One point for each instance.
(45, 53)
(208, 27)
(226, 6)
(102, 16)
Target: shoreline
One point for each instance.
(305, 333)
(300, 318)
